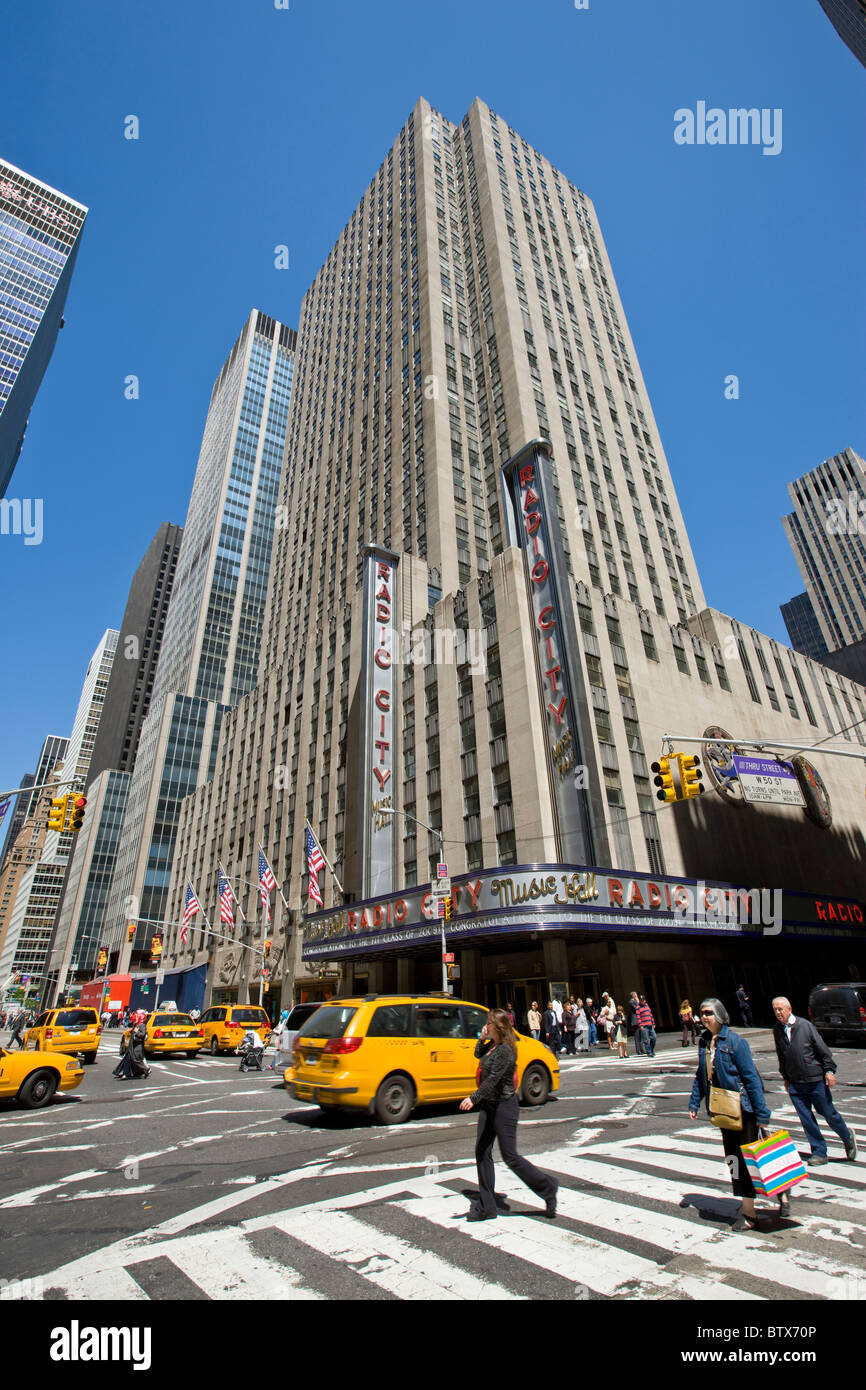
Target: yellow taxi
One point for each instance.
(33, 1080)
(224, 1025)
(66, 1030)
(388, 1053)
(169, 1032)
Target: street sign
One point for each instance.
(442, 887)
(441, 870)
(160, 976)
(768, 781)
(440, 907)
(448, 957)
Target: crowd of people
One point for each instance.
(576, 1026)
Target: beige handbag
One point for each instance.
(726, 1107)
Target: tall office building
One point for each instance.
(848, 18)
(81, 912)
(210, 650)
(33, 912)
(827, 533)
(40, 232)
(53, 752)
(483, 615)
(803, 627)
(29, 888)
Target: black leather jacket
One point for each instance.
(497, 1073)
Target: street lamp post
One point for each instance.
(392, 811)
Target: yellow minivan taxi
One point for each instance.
(224, 1025)
(388, 1053)
(33, 1080)
(169, 1032)
(66, 1030)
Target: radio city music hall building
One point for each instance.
(483, 615)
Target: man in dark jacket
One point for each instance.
(809, 1073)
(550, 1028)
(18, 1029)
(744, 1007)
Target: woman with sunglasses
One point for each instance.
(725, 1061)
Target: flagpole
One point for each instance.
(328, 864)
(279, 885)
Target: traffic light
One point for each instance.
(130, 933)
(448, 909)
(690, 776)
(267, 948)
(156, 948)
(76, 813)
(57, 813)
(664, 780)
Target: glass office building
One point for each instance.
(213, 629)
(40, 231)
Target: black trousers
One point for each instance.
(741, 1181)
(500, 1122)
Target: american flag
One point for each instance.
(267, 883)
(191, 907)
(315, 862)
(4, 807)
(226, 914)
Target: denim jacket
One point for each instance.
(735, 1071)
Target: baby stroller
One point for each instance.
(251, 1051)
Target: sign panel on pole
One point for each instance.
(448, 957)
(441, 870)
(768, 780)
(440, 907)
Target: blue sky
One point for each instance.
(262, 126)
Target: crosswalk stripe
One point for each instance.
(586, 1262)
(102, 1284)
(224, 1267)
(701, 1290)
(822, 1179)
(387, 1261)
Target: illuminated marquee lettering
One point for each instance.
(378, 739)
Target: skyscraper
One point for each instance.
(848, 18)
(32, 914)
(53, 751)
(210, 650)
(81, 912)
(827, 533)
(484, 615)
(40, 232)
(804, 630)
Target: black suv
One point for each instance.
(838, 1011)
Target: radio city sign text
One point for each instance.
(382, 659)
(562, 894)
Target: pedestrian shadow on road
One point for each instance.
(721, 1211)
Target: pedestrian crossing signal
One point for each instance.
(690, 776)
(664, 780)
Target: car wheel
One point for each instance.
(89, 1058)
(38, 1089)
(394, 1101)
(536, 1085)
(191, 1054)
(213, 1047)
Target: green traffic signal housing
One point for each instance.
(690, 775)
(57, 813)
(664, 780)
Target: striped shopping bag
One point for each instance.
(774, 1164)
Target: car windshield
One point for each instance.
(74, 1018)
(168, 1020)
(330, 1021)
(257, 1016)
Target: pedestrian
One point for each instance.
(499, 1110)
(744, 1007)
(809, 1073)
(609, 1020)
(533, 1021)
(582, 1028)
(589, 1010)
(279, 1035)
(647, 1026)
(509, 1010)
(633, 1025)
(550, 1028)
(621, 1033)
(19, 1026)
(569, 1028)
(133, 1063)
(725, 1061)
(557, 1009)
(688, 1022)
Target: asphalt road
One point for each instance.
(202, 1183)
